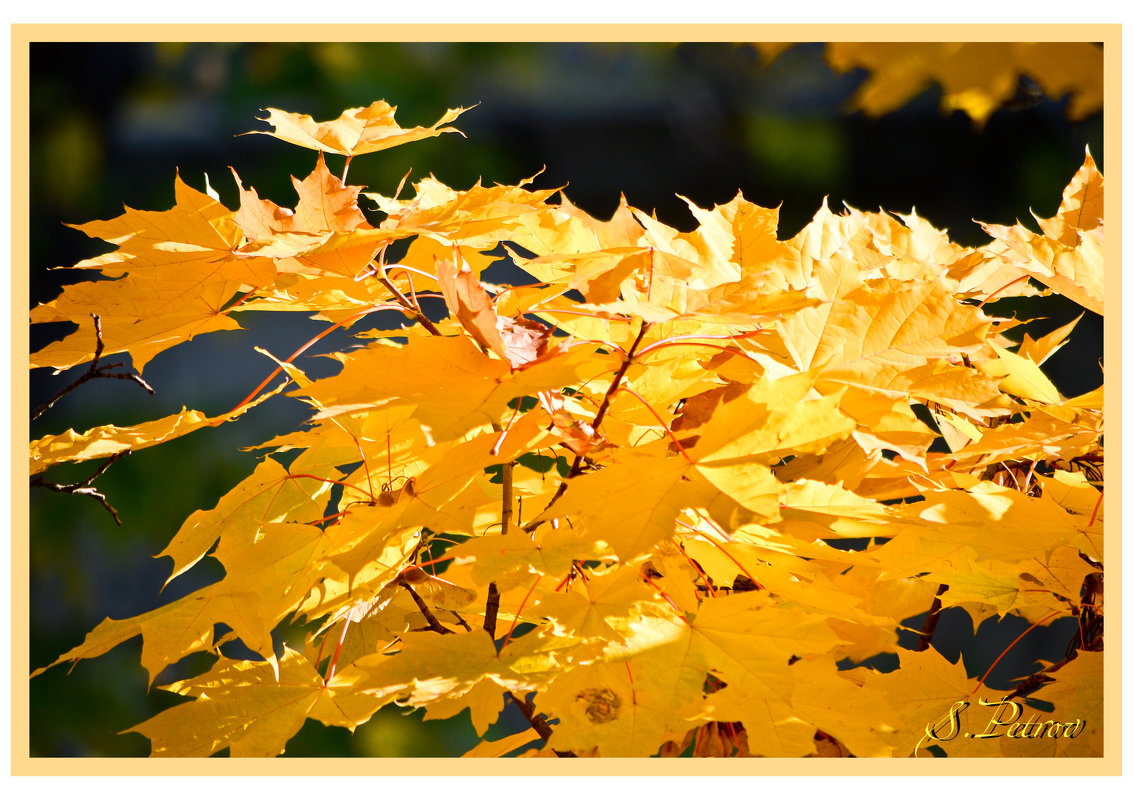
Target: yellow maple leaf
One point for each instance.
(625, 704)
(1019, 375)
(1040, 350)
(108, 440)
(505, 745)
(920, 694)
(1068, 255)
(176, 270)
(269, 495)
(426, 668)
(257, 712)
(501, 558)
(356, 131)
(977, 77)
(884, 336)
(471, 304)
(1073, 492)
(1045, 434)
(325, 204)
(648, 493)
(587, 608)
(836, 703)
(171, 631)
(1077, 694)
(749, 640)
(468, 389)
(485, 701)
(479, 217)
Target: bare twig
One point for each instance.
(430, 618)
(94, 371)
(491, 610)
(577, 465)
(537, 722)
(931, 620)
(406, 304)
(84, 487)
(506, 501)
(492, 604)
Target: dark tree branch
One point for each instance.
(492, 603)
(94, 371)
(537, 723)
(430, 618)
(406, 304)
(577, 465)
(84, 487)
(931, 620)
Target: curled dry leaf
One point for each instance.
(524, 340)
(576, 434)
(470, 304)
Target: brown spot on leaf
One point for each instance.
(603, 704)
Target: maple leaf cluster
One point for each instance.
(976, 78)
(663, 497)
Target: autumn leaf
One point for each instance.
(749, 640)
(1077, 695)
(625, 704)
(470, 304)
(261, 713)
(175, 272)
(977, 77)
(1068, 256)
(109, 440)
(171, 631)
(469, 390)
(355, 132)
(426, 668)
(269, 495)
(478, 217)
(663, 498)
(586, 610)
(325, 204)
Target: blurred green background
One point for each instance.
(111, 124)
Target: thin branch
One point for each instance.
(338, 649)
(516, 617)
(931, 620)
(506, 501)
(304, 347)
(669, 431)
(84, 487)
(491, 610)
(94, 371)
(998, 291)
(407, 305)
(537, 722)
(430, 618)
(576, 466)
(492, 604)
(1009, 648)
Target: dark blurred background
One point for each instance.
(111, 124)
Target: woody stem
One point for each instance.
(405, 303)
(540, 725)
(492, 604)
(931, 620)
(576, 466)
